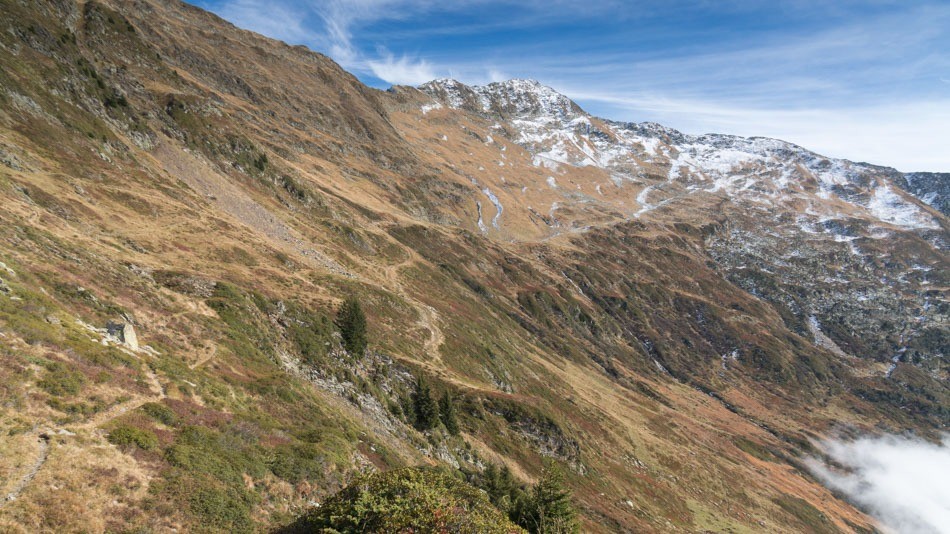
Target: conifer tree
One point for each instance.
(548, 508)
(352, 324)
(447, 412)
(501, 487)
(425, 407)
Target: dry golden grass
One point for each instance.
(391, 203)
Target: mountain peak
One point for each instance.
(517, 97)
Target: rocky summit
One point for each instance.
(235, 279)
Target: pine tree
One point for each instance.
(491, 484)
(352, 324)
(548, 508)
(425, 407)
(447, 412)
(501, 487)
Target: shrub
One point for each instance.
(406, 500)
(160, 413)
(61, 380)
(127, 436)
(216, 506)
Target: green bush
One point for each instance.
(214, 505)
(160, 413)
(61, 380)
(312, 334)
(127, 436)
(406, 500)
(221, 507)
(298, 462)
(226, 456)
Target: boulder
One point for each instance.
(124, 333)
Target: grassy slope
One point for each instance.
(161, 205)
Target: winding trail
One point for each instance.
(429, 319)
(158, 393)
(42, 440)
(206, 359)
(44, 437)
(428, 316)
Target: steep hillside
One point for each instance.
(186, 204)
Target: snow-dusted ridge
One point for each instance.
(845, 250)
(748, 169)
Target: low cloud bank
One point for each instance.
(903, 482)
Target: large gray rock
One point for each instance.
(124, 333)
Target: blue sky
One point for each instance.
(865, 80)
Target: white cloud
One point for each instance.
(403, 70)
(496, 75)
(868, 89)
(903, 482)
(275, 21)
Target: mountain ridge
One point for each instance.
(520, 89)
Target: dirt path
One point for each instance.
(158, 393)
(206, 359)
(428, 316)
(42, 440)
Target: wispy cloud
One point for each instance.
(402, 70)
(279, 21)
(853, 78)
(903, 482)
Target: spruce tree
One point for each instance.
(447, 412)
(352, 324)
(491, 485)
(547, 509)
(508, 488)
(425, 407)
(501, 487)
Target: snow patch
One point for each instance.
(890, 207)
(426, 108)
(498, 207)
(481, 222)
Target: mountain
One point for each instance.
(185, 206)
(825, 241)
